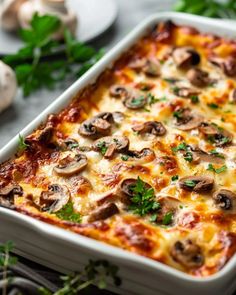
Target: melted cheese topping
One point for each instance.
(196, 217)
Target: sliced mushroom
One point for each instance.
(136, 100)
(228, 65)
(198, 77)
(55, 198)
(110, 144)
(186, 120)
(126, 189)
(118, 117)
(145, 154)
(7, 194)
(119, 91)
(202, 156)
(42, 136)
(167, 205)
(97, 126)
(152, 127)
(71, 165)
(198, 184)
(215, 134)
(185, 57)
(152, 67)
(187, 253)
(185, 92)
(225, 199)
(103, 212)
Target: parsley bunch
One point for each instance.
(143, 201)
(43, 62)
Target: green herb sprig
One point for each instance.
(216, 170)
(143, 201)
(67, 213)
(209, 8)
(21, 144)
(34, 70)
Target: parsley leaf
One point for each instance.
(124, 158)
(181, 147)
(43, 62)
(216, 154)
(190, 183)
(143, 201)
(22, 145)
(167, 219)
(175, 177)
(213, 105)
(194, 99)
(102, 147)
(216, 170)
(67, 213)
(188, 157)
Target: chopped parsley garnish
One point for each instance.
(74, 145)
(194, 99)
(216, 170)
(175, 90)
(143, 200)
(153, 218)
(102, 147)
(124, 158)
(22, 145)
(170, 80)
(216, 154)
(67, 213)
(178, 114)
(137, 101)
(181, 147)
(190, 183)
(167, 219)
(188, 157)
(175, 177)
(213, 105)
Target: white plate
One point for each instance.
(93, 21)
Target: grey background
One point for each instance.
(23, 110)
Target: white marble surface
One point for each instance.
(23, 110)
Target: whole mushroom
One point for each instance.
(9, 10)
(8, 86)
(53, 7)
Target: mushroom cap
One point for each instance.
(225, 199)
(9, 11)
(69, 166)
(144, 155)
(54, 199)
(119, 91)
(103, 212)
(8, 86)
(187, 119)
(187, 253)
(202, 156)
(228, 65)
(135, 100)
(186, 92)
(7, 194)
(198, 184)
(151, 127)
(185, 57)
(198, 77)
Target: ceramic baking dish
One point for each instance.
(67, 251)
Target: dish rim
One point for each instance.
(63, 100)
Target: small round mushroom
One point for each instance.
(198, 184)
(9, 11)
(198, 77)
(8, 193)
(185, 92)
(110, 144)
(228, 65)
(187, 253)
(145, 155)
(135, 100)
(185, 57)
(152, 67)
(119, 91)
(71, 165)
(186, 120)
(215, 134)
(202, 156)
(103, 212)
(225, 199)
(56, 197)
(97, 126)
(126, 189)
(151, 127)
(8, 86)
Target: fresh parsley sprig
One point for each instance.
(67, 213)
(44, 62)
(143, 201)
(209, 8)
(21, 144)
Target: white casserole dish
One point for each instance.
(67, 251)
